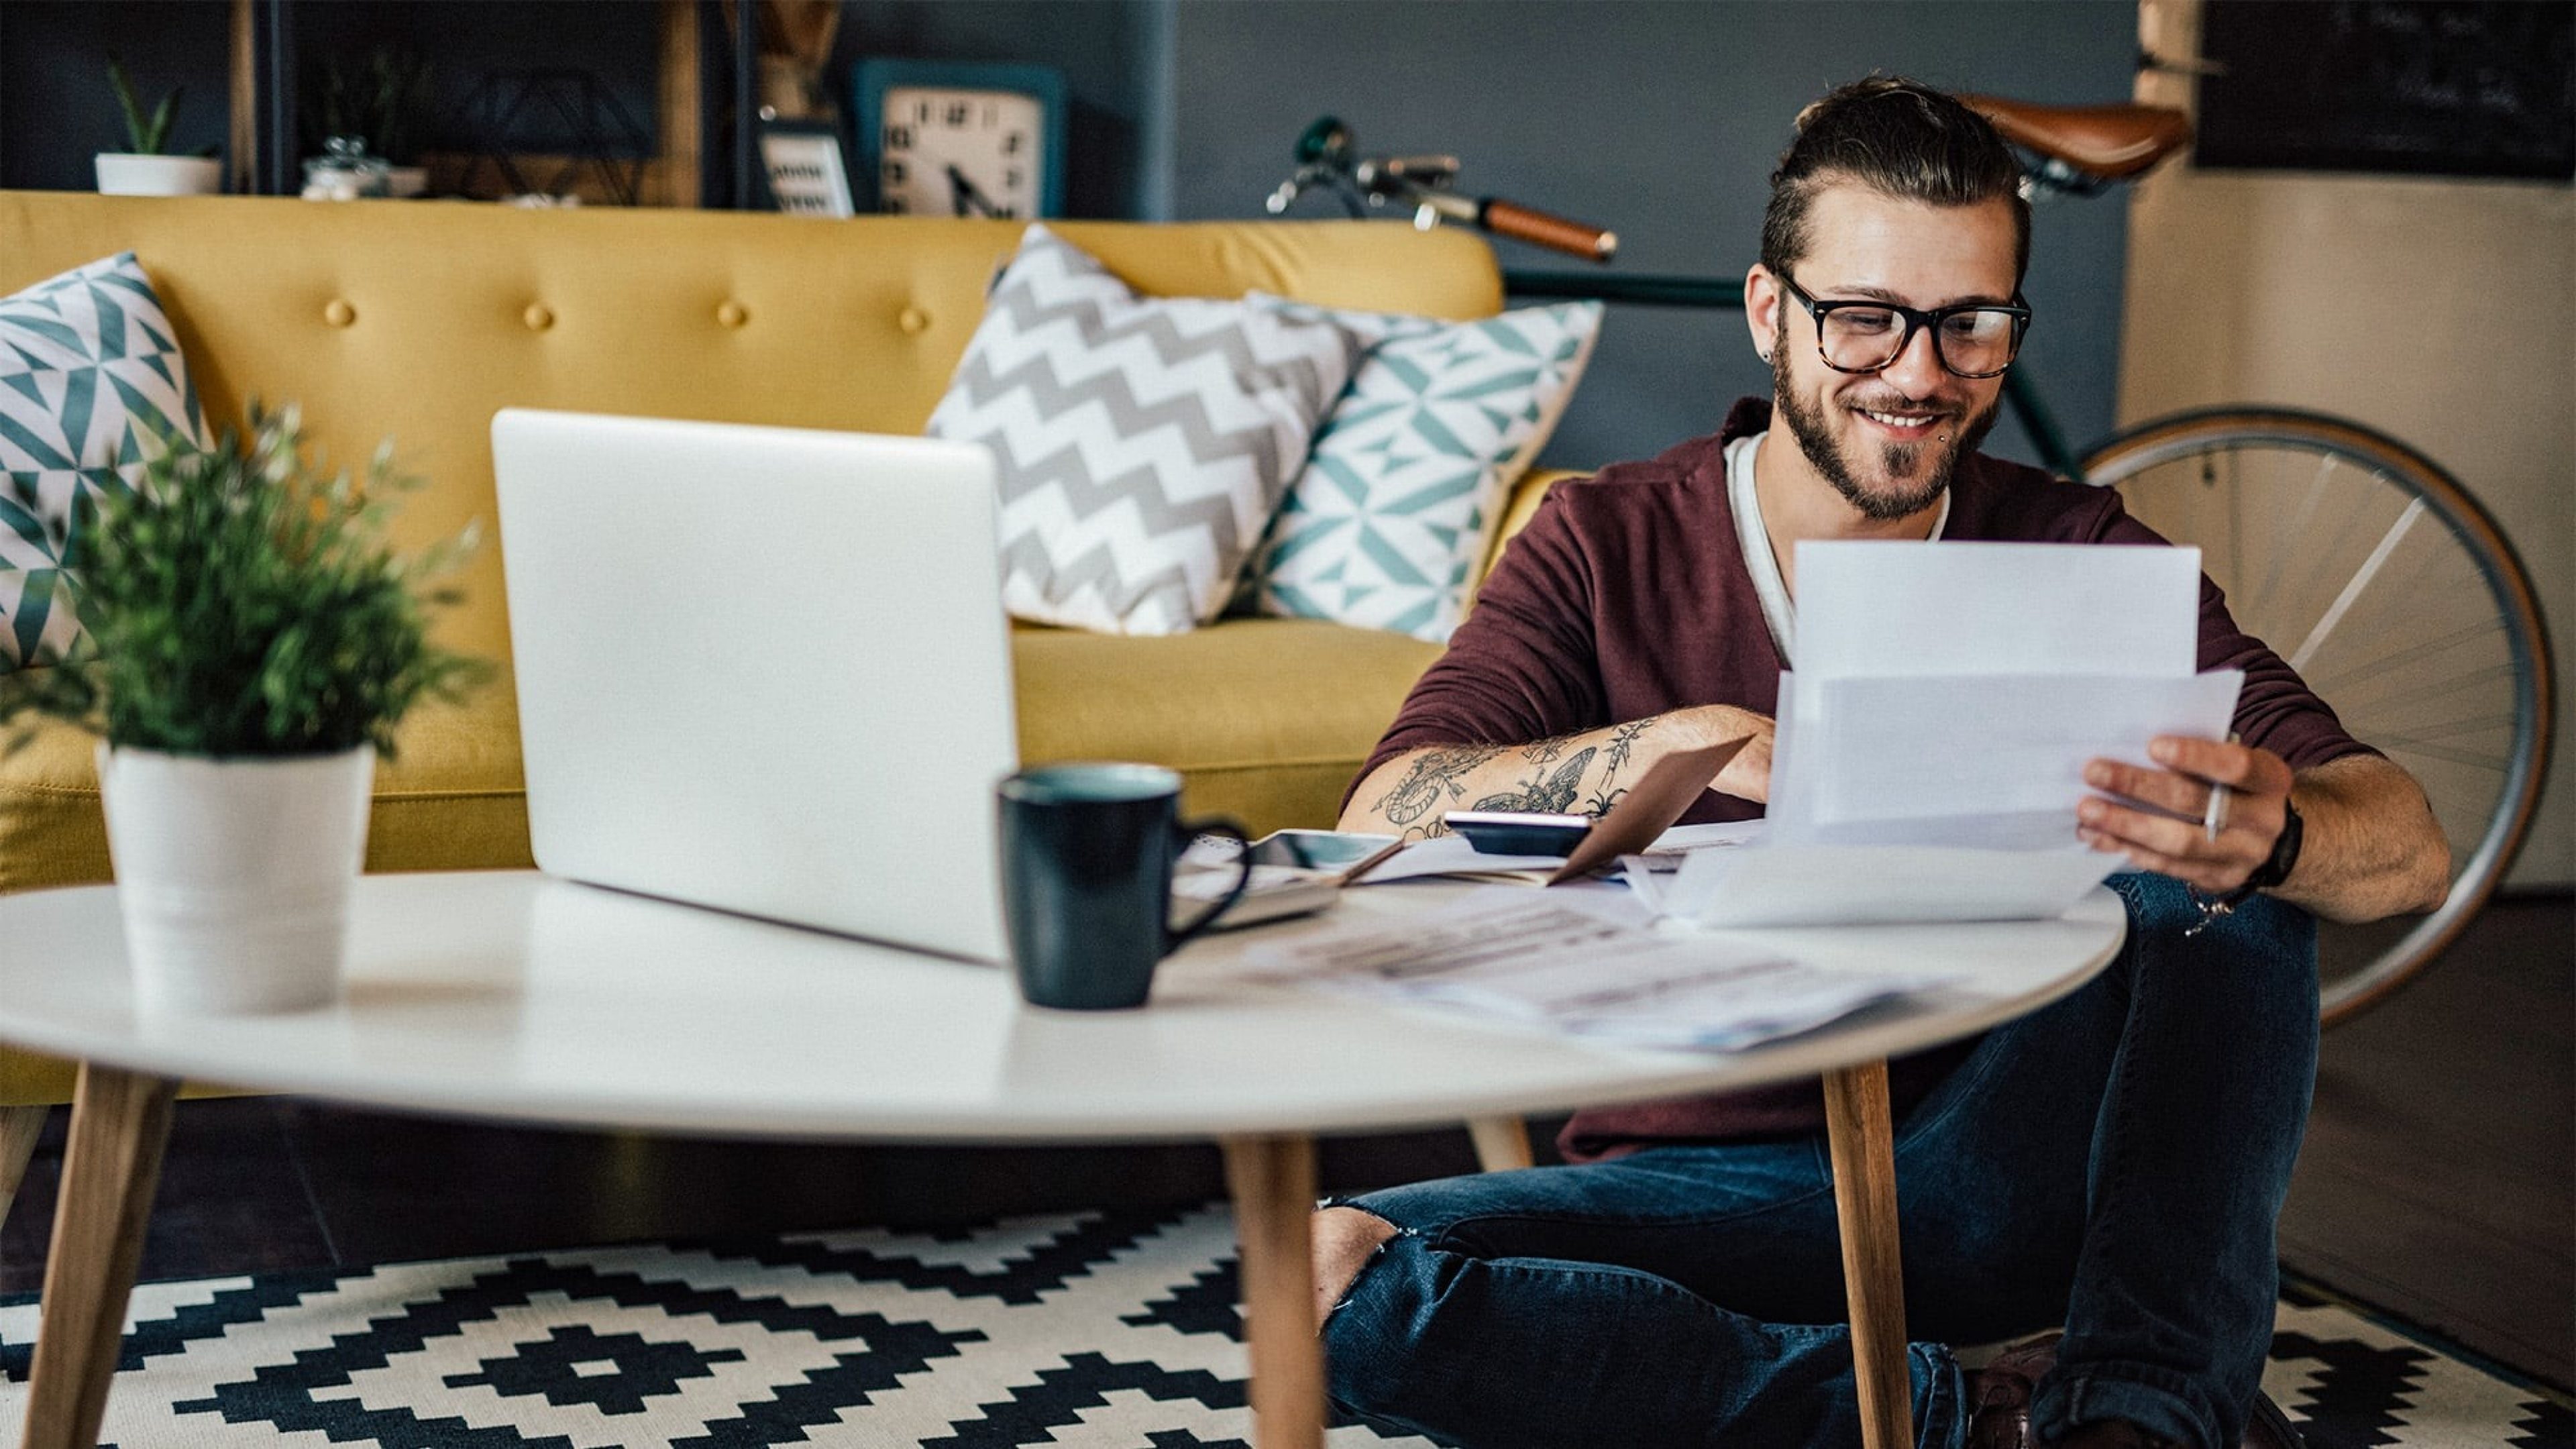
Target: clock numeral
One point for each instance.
(1012, 177)
(895, 172)
(894, 206)
(898, 138)
(958, 113)
(1007, 213)
(1012, 141)
(921, 113)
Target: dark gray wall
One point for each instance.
(56, 109)
(1661, 120)
(1658, 117)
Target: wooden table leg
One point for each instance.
(1502, 1143)
(1862, 1132)
(19, 1129)
(1273, 1183)
(120, 1122)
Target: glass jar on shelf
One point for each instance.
(345, 172)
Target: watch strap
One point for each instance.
(2277, 867)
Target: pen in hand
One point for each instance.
(2213, 820)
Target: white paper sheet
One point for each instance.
(1586, 963)
(1932, 739)
(1996, 608)
(1847, 885)
(1977, 745)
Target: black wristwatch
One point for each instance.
(2284, 858)
(2274, 870)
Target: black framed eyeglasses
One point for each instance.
(1973, 339)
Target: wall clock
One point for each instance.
(950, 138)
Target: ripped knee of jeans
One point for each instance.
(1340, 1230)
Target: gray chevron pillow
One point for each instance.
(1142, 443)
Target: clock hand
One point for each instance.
(967, 194)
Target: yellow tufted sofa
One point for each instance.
(417, 321)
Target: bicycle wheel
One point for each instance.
(2392, 592)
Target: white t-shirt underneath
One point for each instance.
(1759, 560)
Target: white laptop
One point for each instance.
(761, 669)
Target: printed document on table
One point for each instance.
(1587, 964)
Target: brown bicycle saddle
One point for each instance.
(2110, 143)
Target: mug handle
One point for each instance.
(1173, 940)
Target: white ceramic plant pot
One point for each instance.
(234, 875)
(123, 173)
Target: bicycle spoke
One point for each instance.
(2388, 542)
(2404, 746)
(2322, 683)
(2298, 528)
(2450, 688)
(2421, 733)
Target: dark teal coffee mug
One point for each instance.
(1087, 859)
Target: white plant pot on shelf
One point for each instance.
(234, 875)
(126, 173)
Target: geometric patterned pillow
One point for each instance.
(1399, 501)
(1140, 443)
(91, 387)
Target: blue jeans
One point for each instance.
(2114, 1162)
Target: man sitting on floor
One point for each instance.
(2114, 1163)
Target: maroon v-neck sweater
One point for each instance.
(1627, 596)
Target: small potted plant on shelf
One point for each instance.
(250, 639)
(145, 171)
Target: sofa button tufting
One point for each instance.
(539, 316)
(732, 314)
(339, 313)
(913, 321)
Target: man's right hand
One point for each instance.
(1584, 773)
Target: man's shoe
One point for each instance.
(1999, 1394)
(1999, 1398)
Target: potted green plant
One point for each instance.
(145, 170)
(250, 639)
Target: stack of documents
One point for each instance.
(1932, 739)
(1585, 962)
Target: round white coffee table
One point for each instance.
(509, 995)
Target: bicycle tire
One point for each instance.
(2145, 462)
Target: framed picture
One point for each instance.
(947, 138)
(807, 176)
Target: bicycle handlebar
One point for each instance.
(1505, 218)
(1324, 157)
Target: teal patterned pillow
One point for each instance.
(1400, 496)
(91, 386)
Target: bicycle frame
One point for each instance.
(2021, 395)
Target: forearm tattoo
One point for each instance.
(1434, 778)
(1437, 780)
(1614, 759)
(1550, 792)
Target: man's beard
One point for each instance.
(1807, 425)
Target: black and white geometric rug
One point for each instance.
(1094, 1329)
